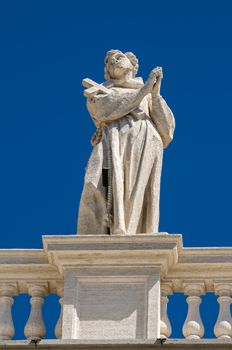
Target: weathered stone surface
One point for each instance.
(171, 344)
(112, 283)
(112, 303)
(115, 269)
(134, 124)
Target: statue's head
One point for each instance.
(119, 65)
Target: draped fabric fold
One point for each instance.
(131, 146)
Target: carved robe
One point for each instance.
(132, 148)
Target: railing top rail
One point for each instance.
(207, 265)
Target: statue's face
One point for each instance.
(119, 66)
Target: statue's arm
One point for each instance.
(160, 113)
(115, 105)
(126, 103)
(163, 118)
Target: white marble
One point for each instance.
(7, 291)
(193, 327)
(165, 326)
(113, 303)
(112, 283)
(117, 268)
(134, 124)
(223, 326)
(35, 327)
(58, 327)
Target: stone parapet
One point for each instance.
(116, 287)
(170, 344)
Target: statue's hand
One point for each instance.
(158, 72)
(156, 87)
(155, 75)
(151, 81)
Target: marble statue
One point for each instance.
(134, 124)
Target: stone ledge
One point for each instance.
(208, 265)
(126, 344)
(160, 250)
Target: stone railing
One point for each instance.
(193, 272)
(27, 271)
(193, 327)
(200, 271)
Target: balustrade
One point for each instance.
(223, 326)
(165, 326)
(58, 328)
(193, 327)
(35, 328)
(195, 273)
(7, 291)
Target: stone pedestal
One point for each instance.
(111, 303)
(112, 283)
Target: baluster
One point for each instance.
(223, 325)
(35, 328)
(7, 290)
(165, 326)
(193, 327)
(58, 328)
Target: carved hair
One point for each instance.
(133, 59)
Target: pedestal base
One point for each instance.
(112, 303)
(112, 283)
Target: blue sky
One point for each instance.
(48, 47)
